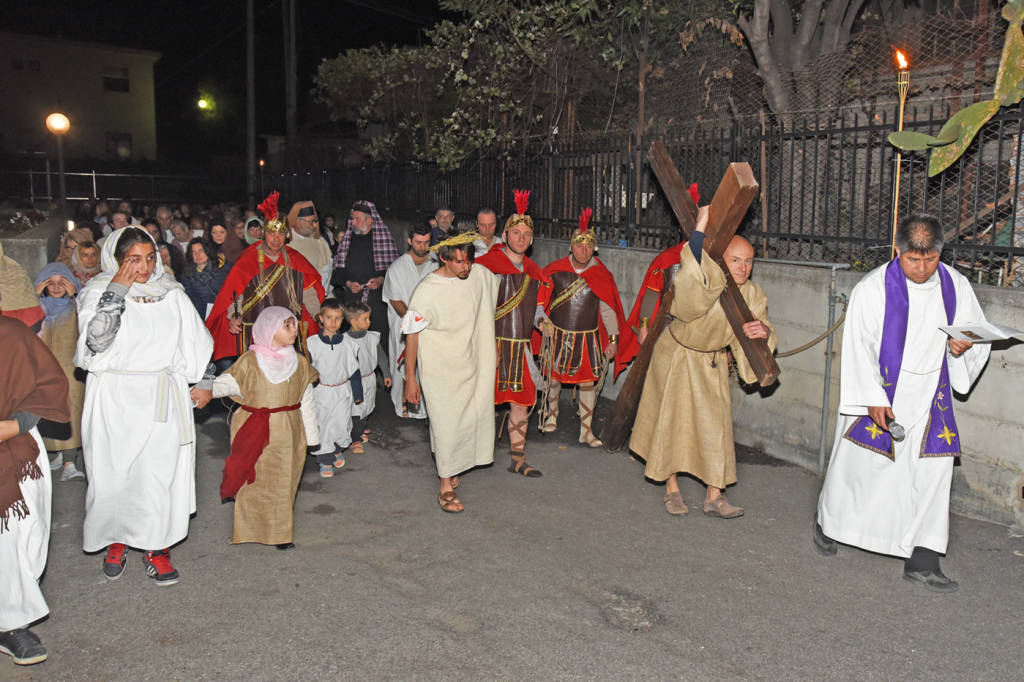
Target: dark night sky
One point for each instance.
(203, 52)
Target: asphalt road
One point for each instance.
(579, 574)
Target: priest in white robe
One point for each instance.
(884, 493)
(142, 342)
(449, 329)
(402, 277)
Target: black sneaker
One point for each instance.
(823, 544)
(935, 580)
(158, 567)
(113, 564)
(23, 646)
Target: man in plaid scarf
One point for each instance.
(361, 261)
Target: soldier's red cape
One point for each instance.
(224, 342)
(599, 279)
(497, 261)
(653, 281)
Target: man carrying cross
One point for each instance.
(684, 420)
(881, 494)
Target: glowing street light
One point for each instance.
(203, 103)
(59, 124)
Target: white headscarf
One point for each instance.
(159, 284)
(277, 363)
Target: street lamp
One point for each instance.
(59, 124)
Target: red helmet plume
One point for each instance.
(269, 205)
(522, 199)
(585, 219)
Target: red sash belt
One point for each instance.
(246, 448)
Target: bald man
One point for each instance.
(684, 420)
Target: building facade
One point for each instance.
(105, 90)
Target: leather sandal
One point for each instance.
(449, 502)
(518, 465)
(722, 509)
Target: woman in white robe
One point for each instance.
(142, 343)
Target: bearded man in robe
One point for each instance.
(307, 240)
(402, 278)
(450, 360)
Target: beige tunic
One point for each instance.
(61, 337)
(263, 509)
(684, 420)
(456, 361)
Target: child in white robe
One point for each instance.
(142, 343)
(337, 363)
(366, 344)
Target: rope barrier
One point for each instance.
(818, 339)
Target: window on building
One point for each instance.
(119, 146)
(116, 80)
(17, 64)
(33, 65)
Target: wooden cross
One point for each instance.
(732, 199)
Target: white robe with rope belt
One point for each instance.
(867, 499)
(400, 281)
(456, 361)
(138, 434)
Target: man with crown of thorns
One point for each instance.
(523, 290)
(586, 314)
(269, 273)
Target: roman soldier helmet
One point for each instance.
(585, 235)
(275, 221)
(522, 199)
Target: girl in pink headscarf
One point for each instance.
(273, 386)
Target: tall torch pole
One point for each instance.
(903, 85)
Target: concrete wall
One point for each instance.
(785, 421)
(36, 247)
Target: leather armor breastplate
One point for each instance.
(517, 304)
(578, 312)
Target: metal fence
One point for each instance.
(42, 185)
(827, 188)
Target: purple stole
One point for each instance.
(940, 436)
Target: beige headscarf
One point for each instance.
(15, 285)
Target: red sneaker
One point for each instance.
(158, 567)
(113, 563)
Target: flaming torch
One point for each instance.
(902, 85)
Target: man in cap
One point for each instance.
(305, 225)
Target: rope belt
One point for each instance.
(712, 353)
(165, 393)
